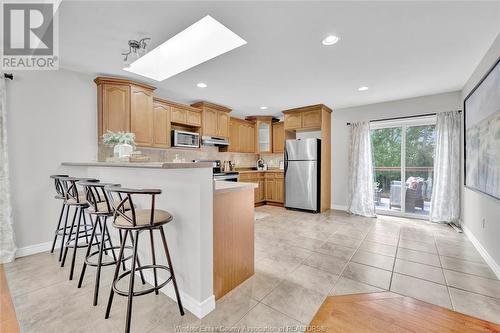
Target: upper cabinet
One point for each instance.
(161, 123)
(215, 119)
(141, 115)
(263, 134)
(241, 136)
(184, 115)
(127, 106)
(306, 118)
(279, 137)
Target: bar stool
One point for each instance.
(75, 199)
(134, 222)
(60, 195)
(100, 207)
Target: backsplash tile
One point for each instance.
(241, 160)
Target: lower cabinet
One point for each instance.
(271, 186)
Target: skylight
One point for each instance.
(202, 41)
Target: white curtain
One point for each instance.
(445, 202)
(360, 187)
(7, 246)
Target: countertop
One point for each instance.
(223, 186)
(254, 171)
(150, 165)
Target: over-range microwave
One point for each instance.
(185, 139)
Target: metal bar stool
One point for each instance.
(133, 222)
(60, 195)
(100, 207)
(74, 198)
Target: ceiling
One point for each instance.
(397, 49)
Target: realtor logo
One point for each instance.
(29, 36)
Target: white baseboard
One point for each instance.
(339, 207)
(482, 251)
(199, 309)
(33, 249)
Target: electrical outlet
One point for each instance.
(484, 222)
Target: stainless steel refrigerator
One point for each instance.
(302, 174)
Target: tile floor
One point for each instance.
(300, 259)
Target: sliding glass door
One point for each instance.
(403, 152)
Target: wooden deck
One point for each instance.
(389, 312)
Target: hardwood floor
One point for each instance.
(8, 320)
(390, 312)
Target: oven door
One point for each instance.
(185, 139)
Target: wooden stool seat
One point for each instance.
(143, 218)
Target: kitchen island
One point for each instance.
(188, 193)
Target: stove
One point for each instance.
(229, 176)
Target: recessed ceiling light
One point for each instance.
(363, 88)
(202, 41)
(330, 40)
(263, 107)
(201, 85)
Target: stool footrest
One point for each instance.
(145, 291)
(107, 263)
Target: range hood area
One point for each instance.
(214, 141)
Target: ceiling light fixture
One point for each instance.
(136, 49)
(202, 41)
(201, 85)
(330, 40)
(263, 107)
(363, 88)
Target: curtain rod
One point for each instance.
(406, 117)
(9, 76)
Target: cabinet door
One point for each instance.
(193, 118)
(141, 115)
(264, 137)
(262, 188)
(244, 135)
(279, 190)
(161, 125)
(251, 138)
(293, 120)
(311, 119)
(234, 136)
(178, 115)
(270, 189)
(210, 119)
(115, 108)
(223, 124)
(278, 137)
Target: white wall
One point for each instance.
(478, 206)
(340, 130)
(51, 118)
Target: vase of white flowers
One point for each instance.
(123, 143)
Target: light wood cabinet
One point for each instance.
(274, 187)
(125, 105)
(293, 120)
(193, 118)
(241, 136)
(278, 137)
(223, 124)
(311, 119)
(141, 115)
(215, 119)
(263, 133)
(178, 115)
(161, 124)
(306, 118)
